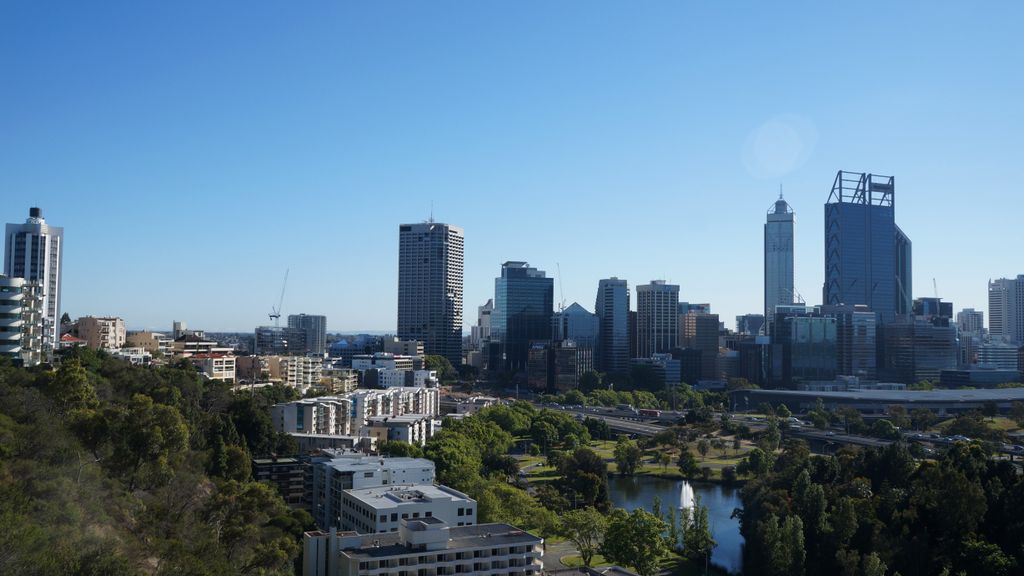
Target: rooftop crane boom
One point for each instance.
(275, 313)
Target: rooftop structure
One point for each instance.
(424, 546)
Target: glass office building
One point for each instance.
(523, 303)
(867, 257)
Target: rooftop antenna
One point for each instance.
(780, 190)
(431, 211)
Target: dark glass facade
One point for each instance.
(523, 303)
(867, 257)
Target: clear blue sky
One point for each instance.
(195, 150)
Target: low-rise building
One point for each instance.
(333, 476)
(424, 546)
(102, 333)
(215, 366)
(152, 342)
(137, 355)
(474, 404)
(393, 345)
(380, 509)
(286, 474)
(411, 428)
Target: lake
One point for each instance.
(639, 492)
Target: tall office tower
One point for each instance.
(867, 257)
(700, 332)
(34, 252)
(657, 318)
(315, 327)
(430, 287)
(523, 300)
(1006, 309)
(971, 321)
(749, 324)
(482, 330)
(778, 257)
(612, 309)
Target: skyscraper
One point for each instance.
(778, 257)
(34, 252)
(1006, 309)
(315, 327)
(612, 309)
(699, 331)
(867, 257)
(430, 287)
(657, 314)
(523, 300)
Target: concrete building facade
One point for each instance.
(102, 333)
(779, 237)
(657, 315)
(34, 251)
(430, 268)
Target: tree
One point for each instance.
(70, 388)
(782, 545)
(922, 418)
(688, 464)
(719, 444)
(544, 435)
(664, 459)
(146, 438)
(586, 529)
(703, 446)
(627, 456)
(247, 519)
(736, 444)
(1017, 413)
(442, 365)
(590, 381)
(757, 463)
(697, 539)
(635, 539)
(585, 478)
(456, 458)
(783, 411)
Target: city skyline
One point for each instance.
(576, 156)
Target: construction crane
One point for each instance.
(275, 313)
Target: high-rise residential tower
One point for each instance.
(778, 257)
(430, 287)
(657, 318)
(1006, 309)
(523, 301)
(867, 256)
(612, 309)
(34, 252)
(315, 327)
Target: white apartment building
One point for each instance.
(411, 428)
(138, 356)
(474, 404)
(390, 377)
(381, 509)
(345, 414)
(105, 332)
(333, 476)
(424, 546)
(302, 372)
(215, 366)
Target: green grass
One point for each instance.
(575, 561)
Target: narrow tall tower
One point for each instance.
(34, 252)
(612, 309)
(430, 287)
(657, 318)
(778, 257)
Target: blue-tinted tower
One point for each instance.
(867, 256)
(523, 304)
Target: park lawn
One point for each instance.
(525, 461)
(575, 561)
